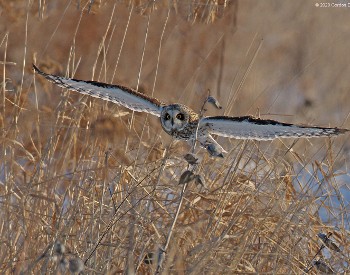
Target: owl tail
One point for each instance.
(214, 148)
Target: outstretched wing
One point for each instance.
(248, 127)
(121, 95)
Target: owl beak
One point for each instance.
(172, 123)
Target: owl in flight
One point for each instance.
(181, 122)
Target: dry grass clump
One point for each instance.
(89, 187)
(112, 208)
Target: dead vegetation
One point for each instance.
(83, 181)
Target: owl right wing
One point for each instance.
(121, 95)
(248, 127)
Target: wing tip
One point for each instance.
(340, 131)
(37, 70)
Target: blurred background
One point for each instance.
(287, 61)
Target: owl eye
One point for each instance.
(180, 116)
(167, 116)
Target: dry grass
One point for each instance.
(104, 182)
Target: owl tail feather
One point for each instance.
(214, 148)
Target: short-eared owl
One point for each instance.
(181, 122)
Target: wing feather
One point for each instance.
(248, 127)
(121, 95)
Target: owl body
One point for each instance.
(181, 122)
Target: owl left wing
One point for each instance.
(248, 127)
(121, 95)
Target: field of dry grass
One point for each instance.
(89, 185)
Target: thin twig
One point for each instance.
(162, 251)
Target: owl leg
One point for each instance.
(214, 148)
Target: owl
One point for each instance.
(181, 122)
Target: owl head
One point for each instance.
(174, 117)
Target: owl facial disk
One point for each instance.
(173, 118)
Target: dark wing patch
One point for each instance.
(121, 87)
